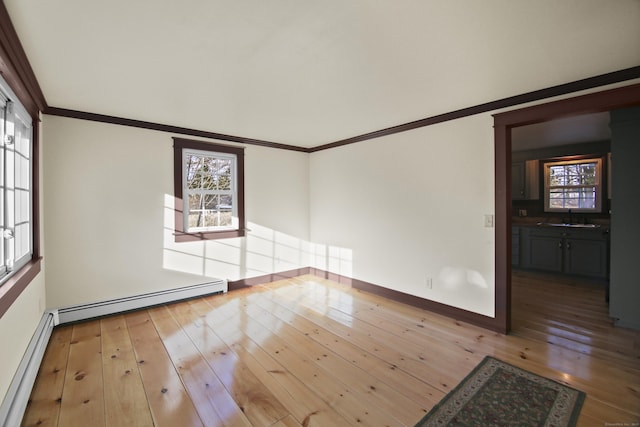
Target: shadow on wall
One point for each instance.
(262, 251)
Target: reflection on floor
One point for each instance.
(571, 314)
(314, 353)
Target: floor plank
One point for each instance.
(83, 393)
(44, 406)
(169, 402)
(311, 352)
(124, 396)
(306, 406)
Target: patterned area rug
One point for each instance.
(496, 393)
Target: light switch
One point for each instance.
(488, 221)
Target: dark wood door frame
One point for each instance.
(503, 123)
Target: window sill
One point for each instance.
(210, 235)
(13, 287)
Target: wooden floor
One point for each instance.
(310, 352)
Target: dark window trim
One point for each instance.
(180, 234)
(16, 283)
(17, 72)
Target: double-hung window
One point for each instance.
(575, 185)
(209, 189)
(15, 183)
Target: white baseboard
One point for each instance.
(104, 308)
(17, 397)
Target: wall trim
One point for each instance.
(619, 76)
(102, 118)
(455, 313)
(458, 314)
(17, 397)
(235, 285)
(536, 95)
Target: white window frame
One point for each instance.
(16, 186)
(598, 185)
(186, 191)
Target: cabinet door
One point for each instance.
(586, 257)
(515, 246)
(544, 253)
(518, 181)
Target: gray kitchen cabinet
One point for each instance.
(524, 180)
(515, 246)
(542, 249)
(518, 180)
(586, 256)
(575, 251)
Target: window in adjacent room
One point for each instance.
(575, 185)
(209, 190)
(15, 184)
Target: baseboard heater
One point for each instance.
(104, 308)
(17, 397)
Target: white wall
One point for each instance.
(410, 207)
(108, 194)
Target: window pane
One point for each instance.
(588, 174)
(557, 176)
(573, 175)
(588, 198)
(214, 218)
(2, 128)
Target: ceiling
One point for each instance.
(569, 130)
(310, 73)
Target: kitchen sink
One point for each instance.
(555, 224)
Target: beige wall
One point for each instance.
(108, 201)
(17, 327)
(411, 207)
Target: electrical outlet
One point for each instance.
(488, 221)
(429, 283)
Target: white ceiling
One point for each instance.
(309, 73)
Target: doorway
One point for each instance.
(503, 124)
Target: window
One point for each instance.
(574, 185)
(209, 190)
(15, 184)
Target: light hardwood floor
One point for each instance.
(311, 352)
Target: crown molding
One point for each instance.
(15, 67)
